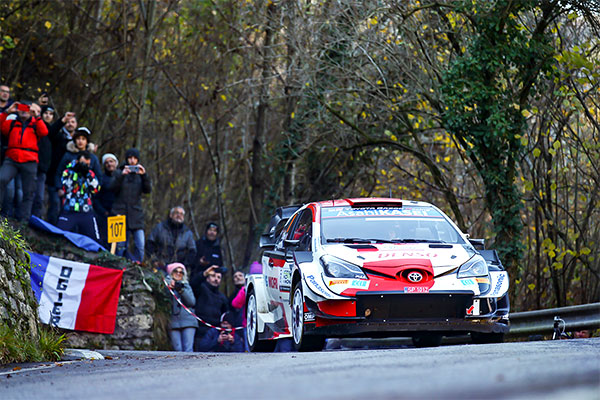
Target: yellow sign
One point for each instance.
(116, 229)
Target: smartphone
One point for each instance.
(134, 168)
(23, 107)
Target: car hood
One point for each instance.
(442, 257)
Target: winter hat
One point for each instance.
(211, 225)
(172, 267)
(255, 268)
(226, 316)
(109, 155)
(83, 131)
(47, 108)
(132, 153)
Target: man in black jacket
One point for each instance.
(171, 241)
(131, 181)
(210, 303)
(208, 249)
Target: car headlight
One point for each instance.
(476, 266)
(336, 268)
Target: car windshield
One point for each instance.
(407, 224)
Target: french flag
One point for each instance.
(74, 295)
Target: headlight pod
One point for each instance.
(337, 268)
(476, 266)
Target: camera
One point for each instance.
(23, 107)
(178, 286)
(134, 168)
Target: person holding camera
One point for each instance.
(23, 131)
(129, 184)
(79, 184)
(183, 324)
(226, 340)
(210, 302)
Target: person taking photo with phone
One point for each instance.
(129, 184)
(23, 131)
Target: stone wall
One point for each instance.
(18, 308)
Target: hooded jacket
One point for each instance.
(23, 137)
(128, 190)
(70, 155)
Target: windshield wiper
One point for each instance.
(348, 240)
(416, 241)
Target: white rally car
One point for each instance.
(373, 267)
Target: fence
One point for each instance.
(586, 316)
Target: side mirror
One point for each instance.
(479, 244)
(265, 242)
(291, 243)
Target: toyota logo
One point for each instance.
(415, 276)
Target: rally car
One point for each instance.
(373, 267)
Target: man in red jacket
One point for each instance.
(23, 132)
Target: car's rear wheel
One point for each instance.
(427, 340)
(301, 341)
(254, 344)
(483, 338)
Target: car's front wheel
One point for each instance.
(254, 344)
(302, 342)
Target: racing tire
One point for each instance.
(485, 338)
(302, 342)
(254, 343)
(427, 340)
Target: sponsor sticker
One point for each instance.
(483, 280)
(316, 286)
(416, 289)
(467, 282)
(273, 282)
(285, 280)
(334, 212)
(498, 286)
(359, 283)
(338, 282)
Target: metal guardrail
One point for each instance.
(586, 316)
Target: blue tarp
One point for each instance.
(78, 240)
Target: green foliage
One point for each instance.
(15, 347)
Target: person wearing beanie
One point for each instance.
(183, 324)
(129, 184)
(45, 157)
(227, 340)
(80, 142)
(105, 199)
(208, 249)
(171, 241)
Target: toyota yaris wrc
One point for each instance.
(373, 268)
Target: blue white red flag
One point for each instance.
(74, 295)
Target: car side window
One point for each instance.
(303, 231)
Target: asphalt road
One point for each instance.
(567, 369)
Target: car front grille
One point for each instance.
(403, 306)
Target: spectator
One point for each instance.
(183, 324)
(60, 134)
(226, 340)
(208, 249)
(45, 156)
(80, 142)
(79, 184)
(44, 99)
(104, 200)
(23, 131)
(210, 303)
(5, 100)
(171, 241)
(131, 181)
(236, 310)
